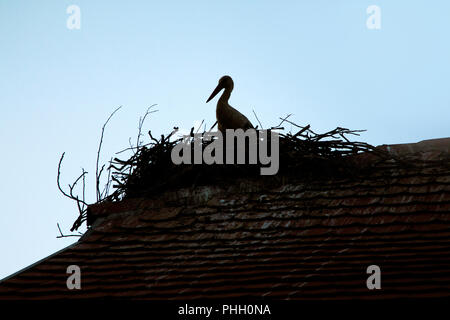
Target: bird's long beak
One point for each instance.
(215, 92)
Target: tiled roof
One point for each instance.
(291, 240)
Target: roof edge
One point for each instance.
(439, 144)
(38, 262)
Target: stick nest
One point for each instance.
(303, 154)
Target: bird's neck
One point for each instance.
(225, 95)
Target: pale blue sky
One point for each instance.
(315, 59)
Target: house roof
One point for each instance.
(292, 239)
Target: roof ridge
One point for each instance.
(438, 144)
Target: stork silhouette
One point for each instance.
(227, 116)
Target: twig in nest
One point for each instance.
(81, 203)
(67, 235)
(70, 195)
(257, 119)
(108, 181)
(97, 174)
(212, 127)
(141, 123)
(199, 126)
(301, 131)
(151, 137)
(283, 120)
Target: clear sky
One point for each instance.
(314, 59)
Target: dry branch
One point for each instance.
(81, 203)
(67, 235)
(97, 173)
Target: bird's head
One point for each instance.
(224, 83)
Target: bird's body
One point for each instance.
(227, 116)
